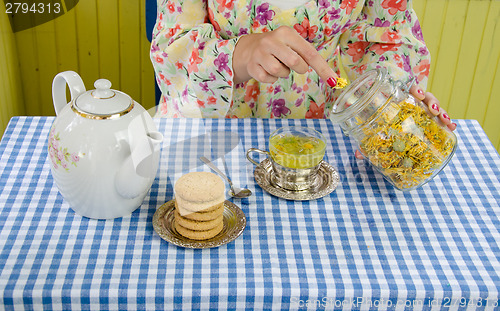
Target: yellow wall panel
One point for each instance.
(66, 42)
(468, 54)
(432, 29)
(11, 98)
(147, 72)
(108, 38)
(446, 58)
(490, 58)
(484, 74)
(97, 39)
(45, 45)
(28, 70)
(491, 123)
(463, 38)
(129, 50)
(419, 7)
(87, 41)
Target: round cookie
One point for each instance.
(201, 216)
(197, 225)
(198, 235)
(200, 187)
(190, 207)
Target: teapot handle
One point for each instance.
(75, 84)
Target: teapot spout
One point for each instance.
(145, 145)
(145, 154)
(141, 164)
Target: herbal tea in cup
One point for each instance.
(298, 151)
(295, 154)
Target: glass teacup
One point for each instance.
(295, 154)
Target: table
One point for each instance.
(364, 246)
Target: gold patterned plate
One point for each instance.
(234, 223)
(327, 181)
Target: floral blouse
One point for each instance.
(193, 42)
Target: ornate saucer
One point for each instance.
(328, 179)
(234, 223)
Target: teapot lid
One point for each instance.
(103, 102)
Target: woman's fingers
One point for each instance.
(443, 116)
(358, 155)
(260, 74)
(309, 54)
(269, 56)
(452, 126)
(434, 106)
(289, 58)
(417, 92)
(432, 103)
(268, 69)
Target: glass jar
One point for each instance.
(394, 131)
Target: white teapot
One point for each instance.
(103, 146)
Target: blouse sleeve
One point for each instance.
(192, 61)
(387, 34)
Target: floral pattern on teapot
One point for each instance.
(59, 155)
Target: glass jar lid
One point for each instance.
(360, 101)
(357, 95)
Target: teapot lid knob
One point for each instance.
(103, 102)
(103, 89)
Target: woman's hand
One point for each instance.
(271, 55)
(433, 103)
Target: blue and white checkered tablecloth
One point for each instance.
(364, 246)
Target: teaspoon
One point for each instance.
(235, 192)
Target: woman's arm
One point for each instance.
(388, 34)
(193, 63)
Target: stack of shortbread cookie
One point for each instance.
(199, 205)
